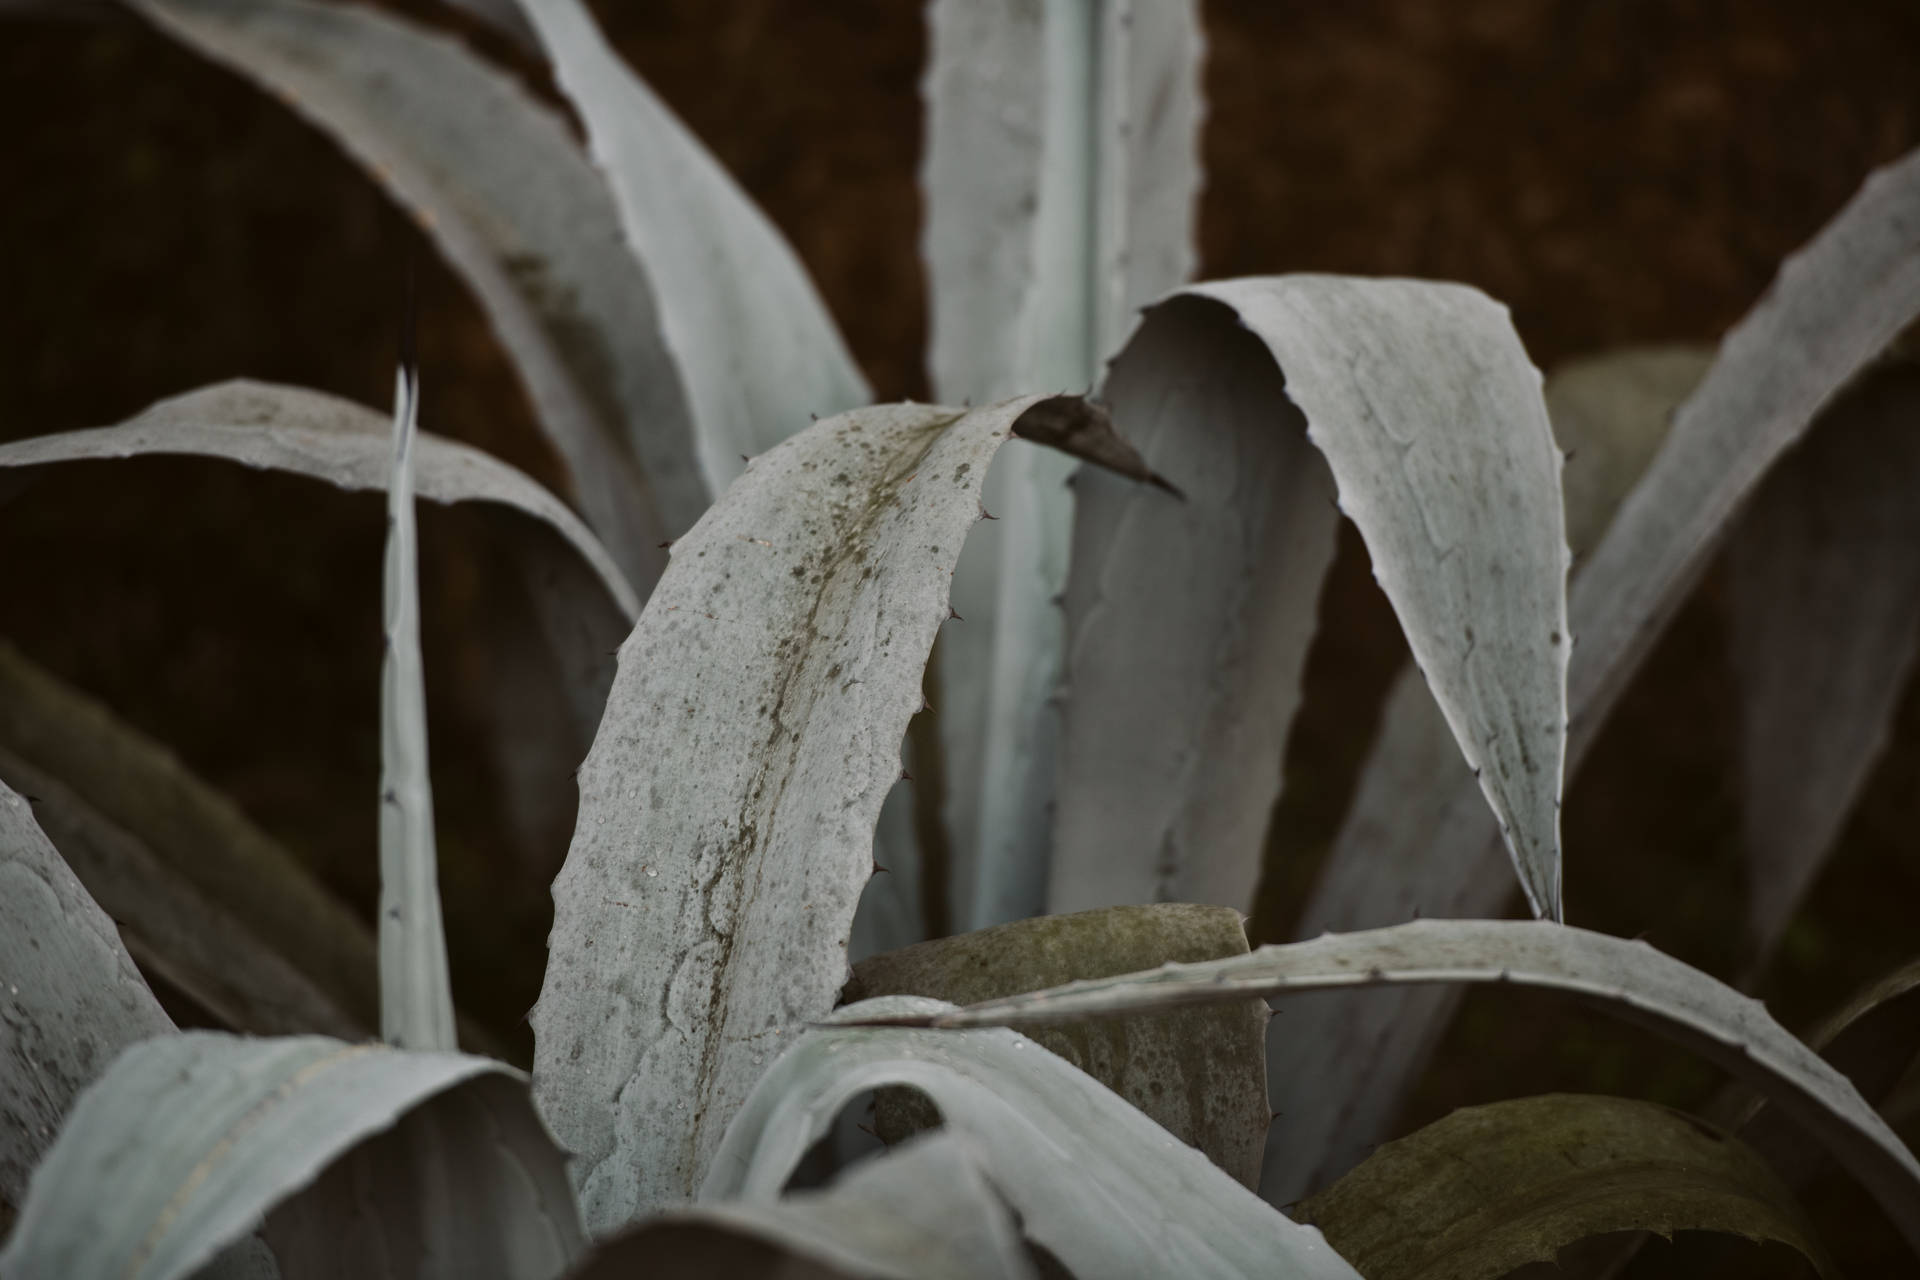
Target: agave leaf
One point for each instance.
(924, 1211)
(1489, 1189)
(1201, 1075)
(506, 195)
(188, 1139)
(1061, 173)
(1095, 1183)
(749, 337)
(1825, 602)
(174, 930)
(1628, 979)
(310, 433)
(1422, 401)
(191, 880)
(727, 808)
(1833, 307)
(70, 998)
(416, 993)
(1610, 414)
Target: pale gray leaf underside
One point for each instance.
(189, 1139)
(1189, 622)
(505, 193)
(728, 804)
(1095, 1183)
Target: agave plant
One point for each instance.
(1108, 760)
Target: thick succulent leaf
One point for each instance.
(924, 1211)
(507, 196)
(189, 1139)
(1628, 979)
(201, 894)
(1061, 177)
(1095, 1183)
(727, 808)
(1825, 601)
(1609, 414)
(1834, 305)
(1492, 1188)
(416, 992)
(70, 998)
(749, 337)
(310, 433)
(1199, 1074)
(1424, 404)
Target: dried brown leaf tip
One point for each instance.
(1077, 426)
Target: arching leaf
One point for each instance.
(1629, 979)
(924, 1211)
(1189, 622)
(1095, 1183)
(1609, 414)
(493, 177)
(727, 808)
(751, 343)
(1834, 306)
(189, 1139)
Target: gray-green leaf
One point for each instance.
(1609, 414)
(727, 807)
(1197, 615)
(751, 342)
(923, 1211)
(1629, 979)
(189, 1139)
(1098, 1185)
(506, 194)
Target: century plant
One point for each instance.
(1111, 756)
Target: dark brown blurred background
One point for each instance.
(1621, 172)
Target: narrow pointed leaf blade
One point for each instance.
(1628, 979)
(753, 344)
(923, 1211)
(416, 991)
(1422, 401)
(1834, 305)
(189, 1139)
(1488, 1189)
(1095, 1183)
(1609, 415)
(728, 804)
(1200, 1076)
(1825, 601)
(70, 997)
(507, 196)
